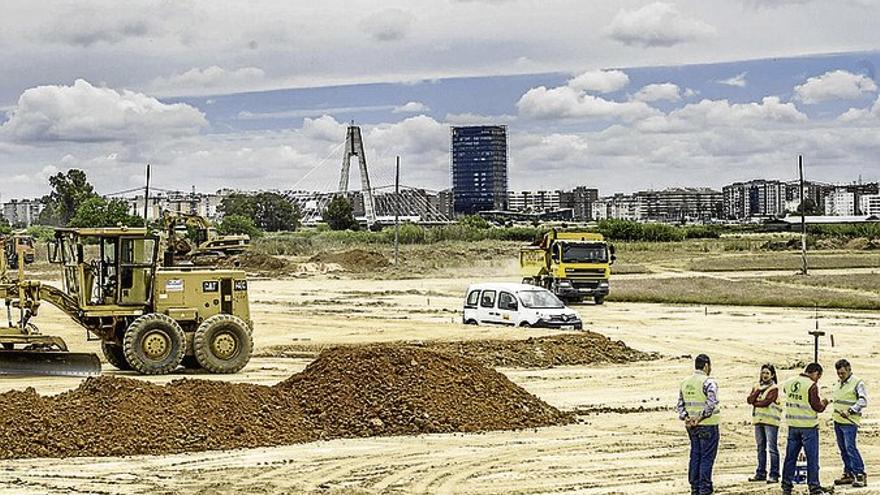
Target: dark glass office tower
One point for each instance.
(479, 169)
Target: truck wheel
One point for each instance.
(599, 300)
(470, 322)
(223, 344)
(114, 355)
(154, 344)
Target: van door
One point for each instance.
(487, 314)
(508, 309)
(471, 307)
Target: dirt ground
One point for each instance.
(627, 439)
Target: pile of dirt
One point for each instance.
(379, 390)
(355, 260)
(255, 263)
(544, 352)
(582, 348)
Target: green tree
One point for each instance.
(339, 214)
(98, 212)
(238, 224)
(239, 204)
(808, 207)
(5, 228)
(69, 191)
(273, 212)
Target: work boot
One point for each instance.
(846, 479)
(821, 491)
(757, 478)
(860, 481)
(772, 480)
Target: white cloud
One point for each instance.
(600, 81)
(721, 113)
(737, 81)
(658, 92)
(567, 103)
(863, 115)
(324, 128)
(834, 85)
(411, 107)
(311, 112)
(197, 81)
(478, 119)
(387, 25)
(656, 24)
(86, 113)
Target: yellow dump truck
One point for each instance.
(573, 265)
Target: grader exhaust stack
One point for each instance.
(23, 350)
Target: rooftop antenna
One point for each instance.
(147, 196)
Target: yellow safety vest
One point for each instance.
(844, 397)
(770, 415)
(798, 411)
(695, 399)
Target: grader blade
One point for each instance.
(55, 363)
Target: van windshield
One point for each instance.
(584, 253)
(540, 299)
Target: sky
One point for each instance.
(621, 96)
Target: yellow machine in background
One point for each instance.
(573, 265)
(208, 247)
(147, 318)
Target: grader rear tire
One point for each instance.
(223, 344)
(114, 355)
(154, 344)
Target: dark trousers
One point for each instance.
(704, 447)
(849, 451)
(807, 439)
(766, 442)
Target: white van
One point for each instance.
(517, 305)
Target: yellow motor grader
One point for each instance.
(148, 319)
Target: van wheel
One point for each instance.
(470, 322)
(525, 324)
(599, 300)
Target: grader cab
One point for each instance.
(148, 319)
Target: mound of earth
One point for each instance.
(380, 390)
(582, 348)
(544, 352)
(355, 260)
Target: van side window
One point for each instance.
(488, 299)
(472, 299)
(507, 301)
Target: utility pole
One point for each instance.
(147, 196)
(397, 212)
(803, 217)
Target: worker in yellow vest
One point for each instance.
(698, 408)
(766, 416)
(802, 408)
(850, 399)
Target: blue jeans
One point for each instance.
(808, 439)
(849, 451)
(704, 447)
(766, 440)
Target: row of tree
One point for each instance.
(73, 202)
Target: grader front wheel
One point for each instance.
(114, 355)
(223, 344)
(154, 344)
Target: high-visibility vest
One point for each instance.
(844, 397)
(798, 411)
(770, 415)
(695, 399)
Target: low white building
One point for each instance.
(869, 204)
(22, 212)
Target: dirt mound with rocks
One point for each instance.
(544, 352)
(582, 348)
(355, 260)
(379, 390)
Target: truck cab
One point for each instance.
(572, 265)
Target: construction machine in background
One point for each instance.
(18, 246)
(208, 245)
(573, 265)
(148, 319)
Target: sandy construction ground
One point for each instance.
(635, 447)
